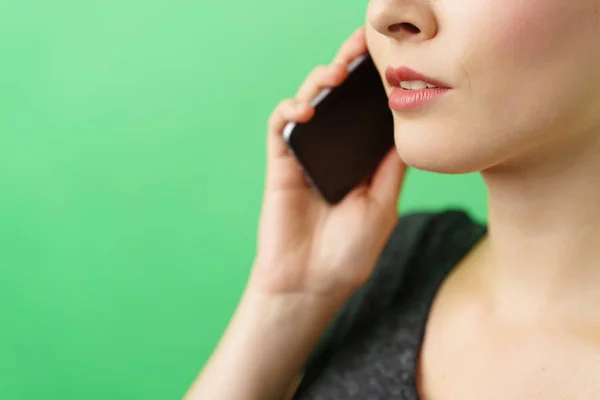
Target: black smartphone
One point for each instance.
(350, 133)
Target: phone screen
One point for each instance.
(350, 133)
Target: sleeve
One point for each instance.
(380, 288)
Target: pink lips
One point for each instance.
(402, 99)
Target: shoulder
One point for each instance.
(422, 245)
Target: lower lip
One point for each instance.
(404, 100)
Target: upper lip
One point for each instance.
(401, 74)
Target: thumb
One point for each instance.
(388, 179)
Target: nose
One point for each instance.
(403, 19)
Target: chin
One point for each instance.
(441, 151)
(439, 165)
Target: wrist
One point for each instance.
(306, 311)
(276, 285)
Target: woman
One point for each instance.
(348, 302)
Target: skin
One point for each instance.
(519, 317)
(522, 312)
(523, 73)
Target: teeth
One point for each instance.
(415, 85)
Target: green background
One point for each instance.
(131, 173)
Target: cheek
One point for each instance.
(532, 34)
(518, 54)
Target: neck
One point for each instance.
(543, 238)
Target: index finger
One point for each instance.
(353, 47)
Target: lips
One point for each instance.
(396, 75)
(413, 99)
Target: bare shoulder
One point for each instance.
(468, 348)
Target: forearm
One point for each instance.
(264, 347)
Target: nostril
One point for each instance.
(405, 26)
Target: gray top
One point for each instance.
(370, 350)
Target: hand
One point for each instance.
(306, 245)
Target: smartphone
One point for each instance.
(351, 131)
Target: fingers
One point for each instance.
(288, 110)
(354, 46)
(334, 74)
(388, 179)
(283, 170)
(320, 78)
(299, 110)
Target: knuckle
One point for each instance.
(283, 103)
(321, 75)
(285, 106)
(319, 70)
(277, 116)
(280, 106)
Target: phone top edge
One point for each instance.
(356, 62)
(326, 91)
(319, 97)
